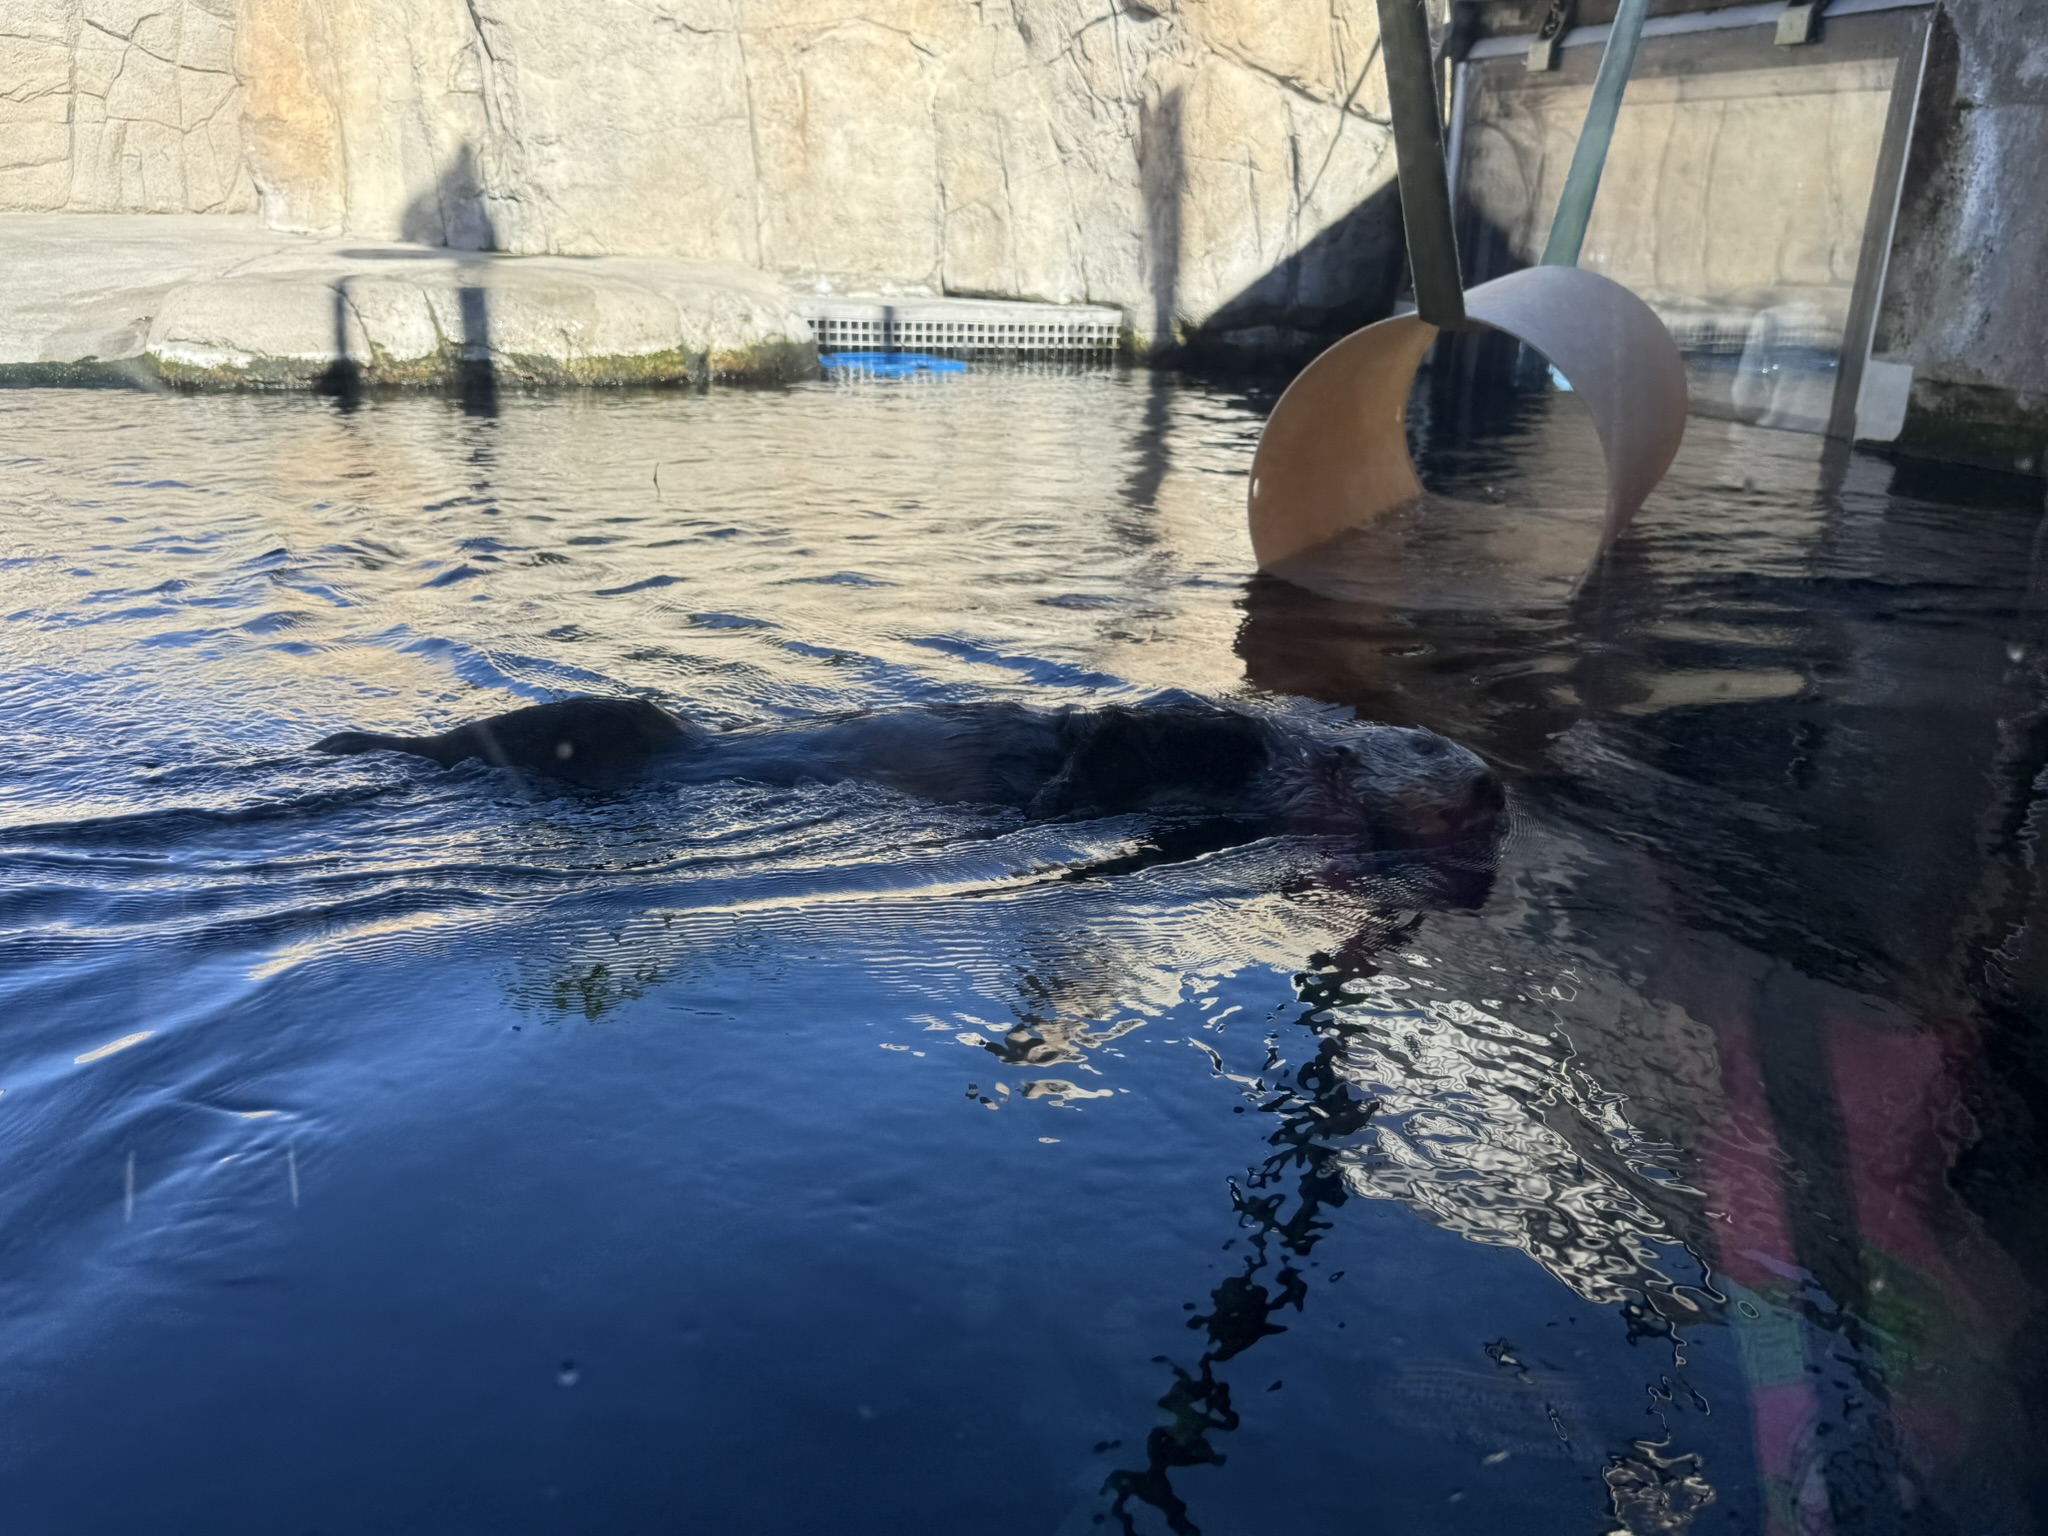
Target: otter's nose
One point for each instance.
(1485, 798)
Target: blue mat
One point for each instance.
(891, 365)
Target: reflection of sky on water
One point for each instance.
(786, 1106)
(1462, 1136)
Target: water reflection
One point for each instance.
(1798, 723)
(1323, 1114)
(1489, 1131)
(1728, 1067)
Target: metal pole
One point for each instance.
(1419, 154)
(1867, 296)
(1589, 159)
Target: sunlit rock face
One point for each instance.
(1164, 157)
(121, 106)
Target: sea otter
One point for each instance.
(1393, 786)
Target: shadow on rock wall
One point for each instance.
(451, 214)
(1162, 179)
(1345, 277)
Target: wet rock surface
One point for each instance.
(221, 302)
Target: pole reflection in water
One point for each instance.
(1487, 1130)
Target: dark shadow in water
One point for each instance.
(1318, 1112)
(1284, 1207)
(343, 377)
(1855, 845)
(1162, 180)
(1155, 452)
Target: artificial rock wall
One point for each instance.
(1219, 164)
(1213, 167)
(121, 106)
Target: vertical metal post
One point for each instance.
(1419, 153)
(1879, 225)
(1589, 159)
(1454, 148)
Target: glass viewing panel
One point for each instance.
(1735, 197)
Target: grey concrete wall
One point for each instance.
(1966, 303)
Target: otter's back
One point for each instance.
(1124, 758)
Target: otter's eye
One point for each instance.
(1427, 744)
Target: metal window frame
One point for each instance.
(1728, 18)
(1880, 226)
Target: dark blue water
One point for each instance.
(398, 1150)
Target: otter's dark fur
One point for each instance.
(600, 742)
(1390, 784)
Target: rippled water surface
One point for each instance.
(392, 1149)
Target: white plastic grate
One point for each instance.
(966, 327)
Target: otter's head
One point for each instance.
(1399, 787)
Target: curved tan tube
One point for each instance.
(1334, 454)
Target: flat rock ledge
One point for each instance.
(217, 302)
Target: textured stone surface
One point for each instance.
(1164, 158)
(1201, 164)
(1214, 168)
(121, 106)
(1966, 305)
(214, 301)
(83, 288)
